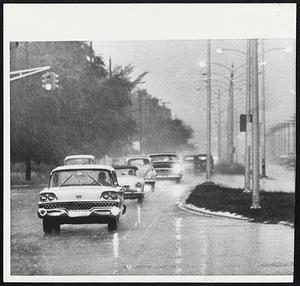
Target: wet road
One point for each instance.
(154, 238)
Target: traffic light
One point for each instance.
(46, 81)
(50, 81)
(55, 80)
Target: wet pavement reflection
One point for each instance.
(155, 237)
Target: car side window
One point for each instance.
(115, 180)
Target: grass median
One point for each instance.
(275, 206)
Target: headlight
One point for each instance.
(177, 168)
(51, 197)
(47, 197)
(113, 196)
(105, 196)
(43, 198)
(138, 185)
(109, 195)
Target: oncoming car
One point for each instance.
(129, 178)
(79, 160)
(145, 166)
(167, 166)
(81, 194)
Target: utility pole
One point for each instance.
(28, 159)
(263, 111)
(219, 125)
(248, 119)
(255, 131)
(109, 65)
(230, 120)
(140, 98)
(208, 116)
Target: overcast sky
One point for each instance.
(175, 75)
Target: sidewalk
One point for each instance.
(280, 180)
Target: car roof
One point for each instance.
(137, 157)
(83, 167)
(163, 154)
(125, 167)
(80, 156)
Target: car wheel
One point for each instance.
(113, 224)
(178, 180)
(140, 199)
(56, 228)
(152, 187)
(47, 226)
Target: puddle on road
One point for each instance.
(178, 256)
(138, 221)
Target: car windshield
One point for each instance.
(66, 178)
(126, 172)
(138, 162)
(164, 158)
(79, 161)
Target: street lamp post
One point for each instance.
(263, 103)
(230, 121)
(208, 116)
(255, 130)
(219, 125)
(247, 180)
(263, 113)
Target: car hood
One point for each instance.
(78, 192)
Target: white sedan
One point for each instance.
(129, 178)
(81, 194)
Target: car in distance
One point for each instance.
(200, 162)
(167, 166)
(145, 166)
(81, 194)
(79, 160)
(189, 163)
(129, 178)
(196, 163)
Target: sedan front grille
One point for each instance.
(79, 205)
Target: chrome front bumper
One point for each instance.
(132, 194)
(63, 213)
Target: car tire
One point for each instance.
(113, 224)
(178, 180)
(140, 199)
(56, 228)
(47, 226)
(152, 187)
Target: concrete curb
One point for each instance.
(202, 211)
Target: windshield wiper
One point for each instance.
(95, 180)
(65, 181)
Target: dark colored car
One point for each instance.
(196, 163)
(167, 166)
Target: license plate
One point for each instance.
(78, 213)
